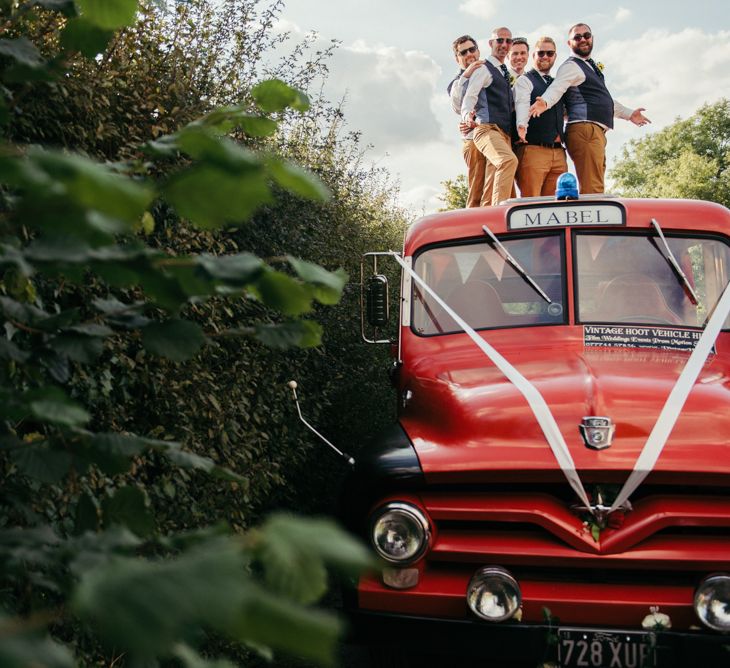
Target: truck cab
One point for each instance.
(555, 488)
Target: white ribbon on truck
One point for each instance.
(665, 422)
(675, 401)
(534, 399)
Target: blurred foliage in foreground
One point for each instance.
(88, 570)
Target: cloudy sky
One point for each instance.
(395, 60)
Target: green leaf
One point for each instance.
(275, 95)
(9, 351)
(177, 340)
(224, 119)
(39, 462)
(58, 249)
(189, 460)
(85, 37)
(239, 270)
(52, 405)
(112, 452)
(86, 517)
(165, 290)
(94, 186)
(283, 293)
(298, 181)
(294, 552)
(191, 659)
(147, 223)
(145, 607)
(212, 197)
(595, 531)
(329, 284)
(92, 329)
(296, 334)
(199, 143)
(128, 508)
(22, 51)
(310, 634)
(77, 347)
(22, 648)
(256, 126)
(109, 14)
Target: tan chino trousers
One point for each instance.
(586, 144)
(476, 165)
(539, 169)
(496, 146)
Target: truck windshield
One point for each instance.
(626, 278)
(485, 290)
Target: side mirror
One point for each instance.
(377, 309)
(374, 300)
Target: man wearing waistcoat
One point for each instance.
(590, 109)
(466, 53)
(489, 96)
(542, 158)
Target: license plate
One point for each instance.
(593, 648)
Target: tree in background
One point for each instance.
(95, 323)
(169, 67)
(688, 159)
(456, 193)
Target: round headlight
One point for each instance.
(493, 594)
(400, 533)
(712, 602)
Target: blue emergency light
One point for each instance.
(566, 187)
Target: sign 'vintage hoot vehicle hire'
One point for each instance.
(563, 436)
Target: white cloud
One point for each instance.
(387, 93)
(622, 14)
(668, 86)
(284, 25)
(481, 9)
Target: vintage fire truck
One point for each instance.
(555, 488)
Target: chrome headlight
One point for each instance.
(493, 594)
(712, 602)
(400, 533)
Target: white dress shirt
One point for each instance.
(457, 94)
(522, 91)
(570, 74)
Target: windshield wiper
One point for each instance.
(669, 257)
(515, 265)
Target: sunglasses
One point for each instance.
(579, 36)
(471, 49)
(500, 40)
(542, 54)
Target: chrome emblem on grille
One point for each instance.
(597, 432)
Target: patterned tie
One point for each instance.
(592, 63)
(505, 74)
(548, 79)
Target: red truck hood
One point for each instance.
(469, 423)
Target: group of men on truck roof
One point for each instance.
(517, 124)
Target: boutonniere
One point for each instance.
(600, 66)
(512, 80)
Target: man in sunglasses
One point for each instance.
(489, 96)
(590, 109)
(466, 53)
(542, 156)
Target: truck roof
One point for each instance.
(672, 214)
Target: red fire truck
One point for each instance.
(555, 488)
